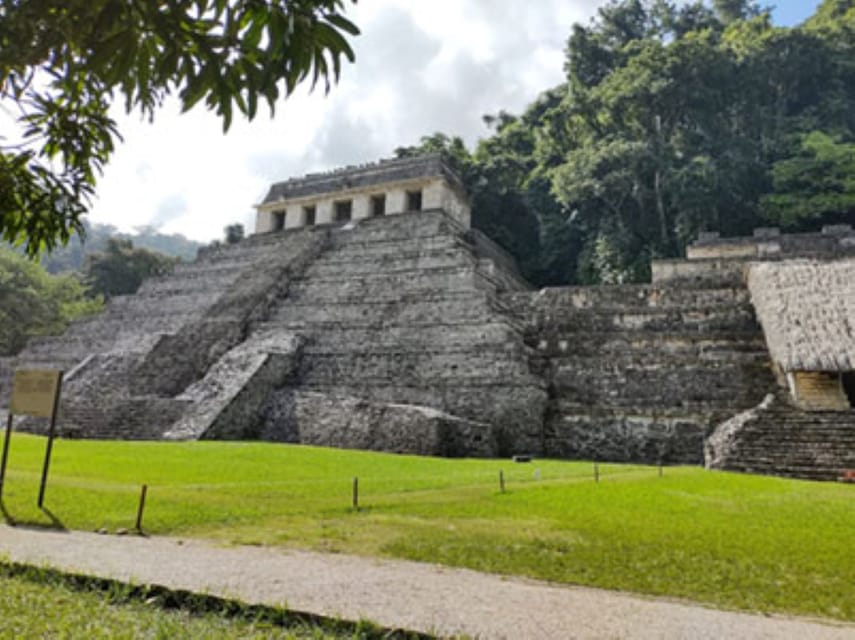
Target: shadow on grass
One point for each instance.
(117, 593)
(7, 517)
(54, 524)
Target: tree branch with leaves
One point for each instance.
(64, 62)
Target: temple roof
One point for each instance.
(366, 175)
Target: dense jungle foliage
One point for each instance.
(673, 120)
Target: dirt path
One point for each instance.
(396, 593)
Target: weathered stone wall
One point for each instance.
(642, 372)
(700, 273)
(326, 420)
(769, 243)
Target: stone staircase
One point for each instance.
(642, 372)
(776, 438)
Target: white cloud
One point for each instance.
(421, 67)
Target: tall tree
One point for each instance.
(817, 184)
(63, 62)
(233, 233)
(674, 119)
(732, 10)
(121, 268)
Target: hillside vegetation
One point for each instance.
(675, 118)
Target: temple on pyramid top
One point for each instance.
(387, 187)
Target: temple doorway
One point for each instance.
(848, 379)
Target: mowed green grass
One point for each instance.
(726, 539)
(65, 612)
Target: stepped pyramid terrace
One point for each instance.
(364, 312)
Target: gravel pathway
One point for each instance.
(396, 593)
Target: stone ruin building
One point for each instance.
(366, 313)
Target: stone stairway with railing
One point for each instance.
(162, 305)
(404, 311)
(643, 372)
(112, 359)
(777, 438)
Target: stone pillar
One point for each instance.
(396, 201)
(264, 221)
(294, 217)
(324, 211)
(361, 207)
(434, 196)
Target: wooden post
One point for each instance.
(502, 480)
(141, 507)
(5, 453)
(596, 471)
(660, 468)
(356, 493)
(49, 447)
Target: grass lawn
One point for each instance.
(730, 540)
(66, 611)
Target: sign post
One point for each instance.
(51, 432)
(34, 393)
(5, 453)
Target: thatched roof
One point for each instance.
(807, 309)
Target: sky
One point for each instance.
(421, 67)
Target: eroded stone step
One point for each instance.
(710, 319)
(390, 286)
(810, 472)
(353, 252)
(599, 379)
(616, 344)
(388, 264)
(655, 360)
(430, 309)
(441, 336)
(617, 298)
(162, 302)
(395, 228)
(415, 367)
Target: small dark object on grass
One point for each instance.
(522, 458)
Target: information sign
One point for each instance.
(34, 393)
